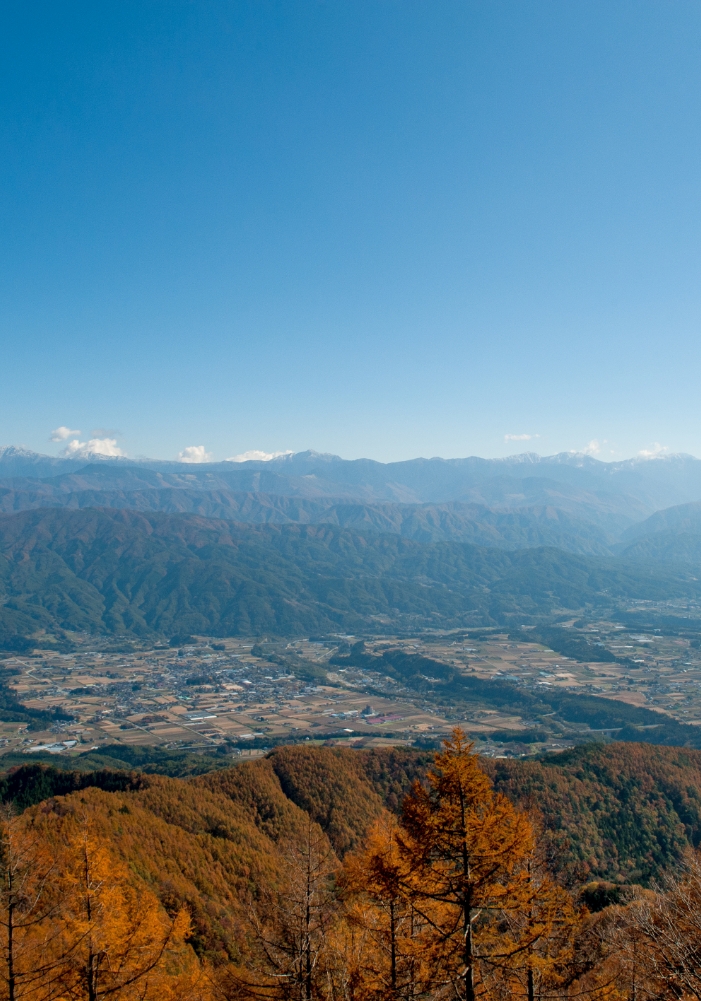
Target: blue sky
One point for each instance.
(382, 229)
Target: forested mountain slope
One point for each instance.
(572, 502)
(680, 519)
(156, 574)
(215, 881)
(544, 524)
(617, 811)
(673, 548)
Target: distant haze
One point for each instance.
(569, 501)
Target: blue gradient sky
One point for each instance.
(388, 228)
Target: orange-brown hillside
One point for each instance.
(213, 842)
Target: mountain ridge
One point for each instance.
(510, 528)
(574, 502)
(410, 473)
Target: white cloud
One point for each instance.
(60, 434)
(520, 437)
(652, 452)
(255, 455)
(194, 453)
(593, 448)
(95, 446)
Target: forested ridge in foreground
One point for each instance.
(617, 810)
(106, 571)
(310, 874)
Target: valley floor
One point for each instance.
(248, 695)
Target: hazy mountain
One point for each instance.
(656, 483)
(648, 483)
(573, 502)
(672, 547)
(680, 519)
(122, 571)
(672, 535)
(510, 529)
(130, 487)
(23, 462)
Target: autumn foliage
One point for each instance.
(223, 888)
(454, 895)
(77, 926)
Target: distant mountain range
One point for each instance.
(653, 483)
(569, 501)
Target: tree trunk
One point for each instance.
(10, 949)
(393, 949)
(92, 979)
(468, 948)
(308, 920)
(468, 957)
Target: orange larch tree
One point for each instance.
(531, 954)
(117, 941)
(375, 883)
(30, 915)
(465, 849)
